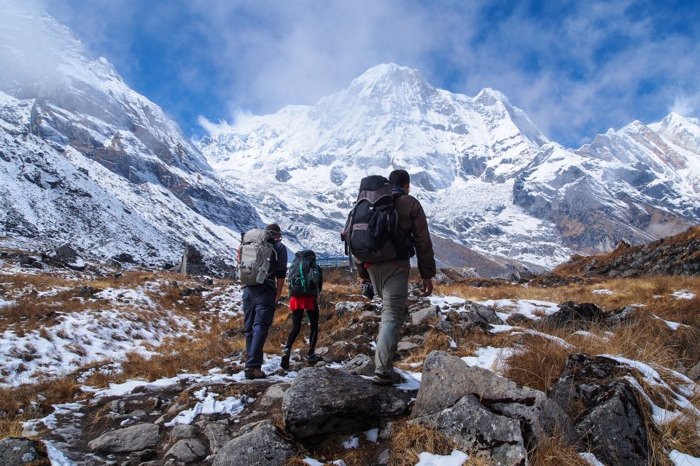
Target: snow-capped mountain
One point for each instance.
(86, 160)
(488, 178)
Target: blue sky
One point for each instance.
(576, 67)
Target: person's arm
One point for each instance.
(424, 247)
(280, 286)
(281, 270)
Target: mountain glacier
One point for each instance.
(86, 160)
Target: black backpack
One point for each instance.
(372, 223)
(304, 275)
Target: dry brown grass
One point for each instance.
(26, 402)
(648, 290)
(554, 451)
(539, 365)
(409, 440)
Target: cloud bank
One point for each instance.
(577, 68)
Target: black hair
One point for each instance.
(273, 227)
(399, 178)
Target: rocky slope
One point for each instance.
(86, 160)
(675, 255)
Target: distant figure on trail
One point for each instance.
(385, 228)
(262, 269)
(305, 284)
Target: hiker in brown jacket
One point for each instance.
(390, 278)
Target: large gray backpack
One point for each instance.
(254, 256)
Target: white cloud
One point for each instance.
(575, 68)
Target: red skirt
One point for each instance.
(302, 302)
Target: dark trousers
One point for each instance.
(297, 317)
(258, 312)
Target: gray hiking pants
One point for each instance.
(390, 280)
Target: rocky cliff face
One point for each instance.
(85, 159)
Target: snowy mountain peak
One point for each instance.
(384, 77)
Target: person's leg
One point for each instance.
(297, 316)
(391, 281)
(248, 318)
(313, 333)
(264, 305)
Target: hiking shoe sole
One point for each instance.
(255, 374)
(379, 379)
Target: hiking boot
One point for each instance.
(285, 361)
(381, 379)
(313, 359)
(254, 373)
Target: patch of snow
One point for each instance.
(456, 458)
(56, 457)
(411, 380)
(530, 308)
(683, 294)
(372, 435)
(683, 459)
(209, 405)
(351, 442)
(441, 301)
(591, 459)
(489, 358)
(603, 291)
(4, 303)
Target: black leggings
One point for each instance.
(297, 317)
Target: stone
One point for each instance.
(263, 446)
(573, 315)
(360, 365)
(479, 431)
(274, 394)
(182, 431)
(446, 379)
(218, 435)
(479, 314)
(323, 400)
(132, 438)
(188, 451)
(594, 390)
(694, 372)
(15, 451)
(423, 315)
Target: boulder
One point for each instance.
(218, 434)
(322, 400)
(188, 451)
(67, 256)
(360, 365)
(610, 422)
(273, 395)
(573, 315)
(183, 431)
(479, 431)
(446, 379)
(262, 446)
(15, 451)
(421, 316)
(476, 313)
(132, 438)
